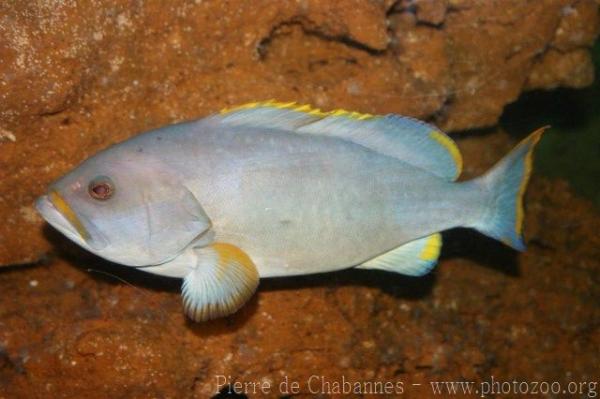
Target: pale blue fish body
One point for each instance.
(300, 204)
(271, 189)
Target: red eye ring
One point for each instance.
(101, 188)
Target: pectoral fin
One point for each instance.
(415, 258)
(223, 280)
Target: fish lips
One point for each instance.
(56, 211)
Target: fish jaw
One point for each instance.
(59, 214)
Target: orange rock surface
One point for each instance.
(78, 76)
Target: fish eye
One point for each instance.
(101, 188)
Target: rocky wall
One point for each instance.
(76, 76)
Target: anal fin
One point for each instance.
(222, 281)
(415, 258)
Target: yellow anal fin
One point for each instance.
(221, 282)
(415, 258)
(431, 250)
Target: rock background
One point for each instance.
(78, 76)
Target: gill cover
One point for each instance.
(173, 224)
(165, 213)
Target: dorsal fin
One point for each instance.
(410, 140)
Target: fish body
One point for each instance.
(302, 204)
(272, 189)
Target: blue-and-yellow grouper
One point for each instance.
(276, 189)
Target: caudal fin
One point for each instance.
(507, 182)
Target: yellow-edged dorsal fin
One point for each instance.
(293, 106)
(410, 140)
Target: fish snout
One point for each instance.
(57, 211)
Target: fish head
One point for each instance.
(125, 206)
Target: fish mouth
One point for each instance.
(62, 217)
(67, 212)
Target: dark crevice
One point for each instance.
(308, 29)
(53, 112)
(399, 7)
(323, 62)
(431, 25)
(8, 363)
(440, 115)
(311, 29)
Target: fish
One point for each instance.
(272, 189)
